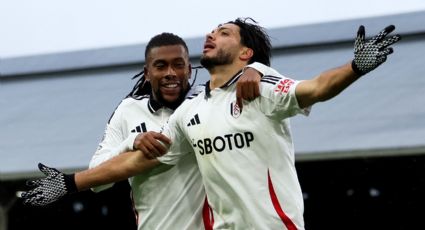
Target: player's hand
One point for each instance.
(371, 53)
(248, 86)
(49, 189)
(152, 144)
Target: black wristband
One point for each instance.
(69, 180)
(356, 69)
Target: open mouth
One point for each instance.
(208, 46)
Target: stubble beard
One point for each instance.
(174, 104)
(222, 58)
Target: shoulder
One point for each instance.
(195, 91)
(129, 103)
(191, 101)
(125, 105)
(271, 79)
(194, 95)
(277, 83)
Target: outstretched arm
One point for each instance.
(325, 86)
(150, 145)
(56, 184)
(121, 167)
(368, 55)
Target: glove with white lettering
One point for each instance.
(370, 54)
(49, 189)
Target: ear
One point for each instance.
(190, 71)
(146, 73)
(246, 54)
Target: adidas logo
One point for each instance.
(140, 128)
(194, 121)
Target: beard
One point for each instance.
(174, 104)
(222, 58)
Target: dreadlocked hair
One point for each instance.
(254, 37)
(143, 87)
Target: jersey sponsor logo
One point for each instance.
(140, 128)
(225, 142)
(194, 121)
(283, 86)
(235, 111)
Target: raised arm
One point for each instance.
(325, 86)
(368, 55)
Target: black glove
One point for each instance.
(49, 189)
(370, 54)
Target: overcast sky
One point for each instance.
(29, 27)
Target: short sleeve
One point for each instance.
(278, 97)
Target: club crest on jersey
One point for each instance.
(283, 86)
(235, 111)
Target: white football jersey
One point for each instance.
(166, 197)
(246, 157)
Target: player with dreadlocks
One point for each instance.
(166, 197)
(160, 89)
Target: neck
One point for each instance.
(223, 73)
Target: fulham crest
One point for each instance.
(235, 111)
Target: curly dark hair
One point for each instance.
(254, 37)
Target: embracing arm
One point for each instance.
(121, 167)
(248, 86)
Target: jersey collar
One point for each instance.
(153, 105)
(225, 85)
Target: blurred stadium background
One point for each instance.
(360, 157)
